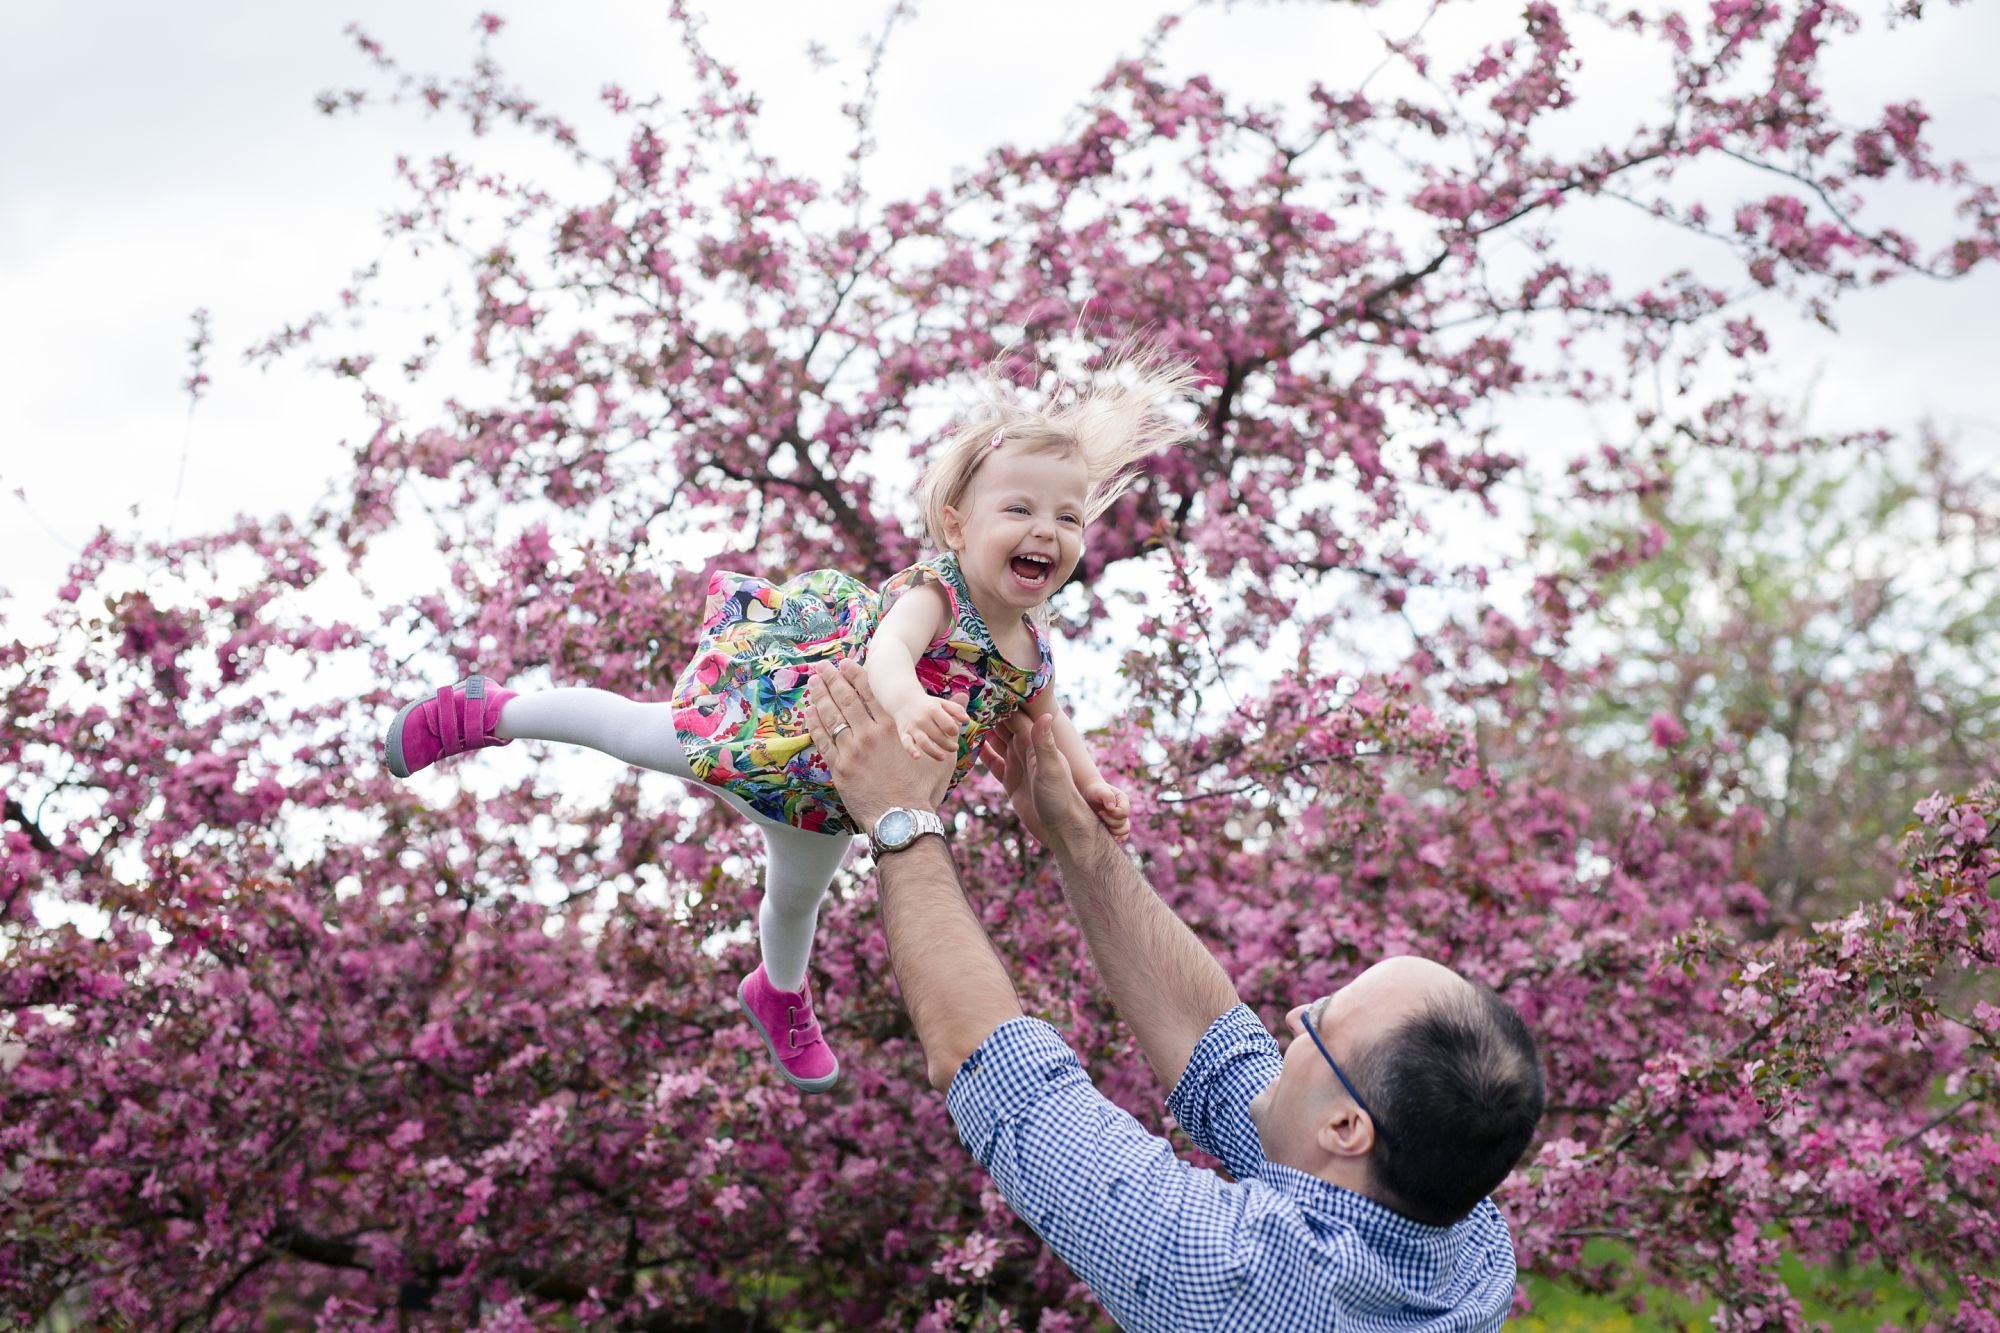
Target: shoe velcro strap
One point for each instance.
(450, 730)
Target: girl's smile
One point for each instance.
(1019, 532)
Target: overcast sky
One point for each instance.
(163, 157)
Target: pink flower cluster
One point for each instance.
(287, 1041)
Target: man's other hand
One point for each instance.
(1040, 784)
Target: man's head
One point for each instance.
(1449, 1090)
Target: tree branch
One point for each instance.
(13, 812)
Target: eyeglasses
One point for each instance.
(1306, 1022)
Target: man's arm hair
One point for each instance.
(1164, 982)
(953, 983)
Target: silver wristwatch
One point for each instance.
(899, 827)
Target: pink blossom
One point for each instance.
(1667, 730)
(1965, 824)
(289, 1039)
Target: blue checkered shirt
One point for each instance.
(1168, 1246)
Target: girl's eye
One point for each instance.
(1073, 518)
(1017, 509)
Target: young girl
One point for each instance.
(1006, 500)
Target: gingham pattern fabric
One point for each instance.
(1172, 1247)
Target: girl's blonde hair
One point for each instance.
(1113, 423)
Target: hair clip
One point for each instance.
(998, 436)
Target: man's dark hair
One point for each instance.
(1456, 1092)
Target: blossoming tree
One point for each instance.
(372, 1052)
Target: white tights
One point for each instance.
(798, 865)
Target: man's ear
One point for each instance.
(954, 529)
(1347, 1131)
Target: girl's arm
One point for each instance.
(929, 727)
(1114, 811)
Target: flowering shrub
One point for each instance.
(287, 1039)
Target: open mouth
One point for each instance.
(1032, 570)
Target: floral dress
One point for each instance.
(739, 707)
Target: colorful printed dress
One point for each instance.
(739, 708)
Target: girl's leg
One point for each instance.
(639, 733)
(798, 865)
(798, 868)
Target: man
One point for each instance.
(1361, 1158)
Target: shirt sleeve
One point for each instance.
(1150, 1234)
(1234, 1061)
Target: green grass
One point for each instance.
(1858, 1300)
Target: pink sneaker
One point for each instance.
(798, 1047)
(458, 718)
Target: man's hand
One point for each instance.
(929, 728)
(857, 738)
(1024, 756)
(953, 983)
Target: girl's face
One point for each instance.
(1018, 529)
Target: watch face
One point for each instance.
(895, 828)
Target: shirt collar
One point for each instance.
(1329, 1207)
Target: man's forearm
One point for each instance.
(952, 981)
(1162, 979)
